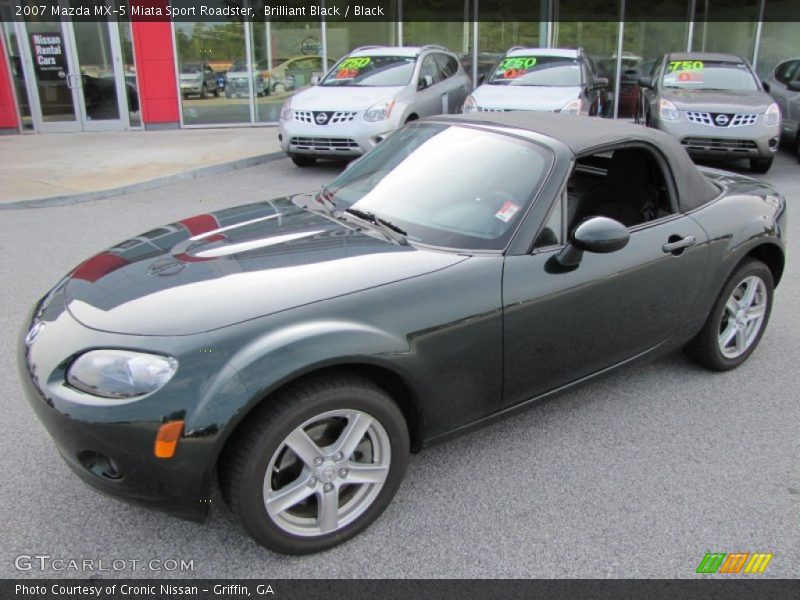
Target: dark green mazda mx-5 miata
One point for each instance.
(298, 349)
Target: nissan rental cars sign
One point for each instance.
(48, 55)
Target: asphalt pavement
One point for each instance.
(636, 475)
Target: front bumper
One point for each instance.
(191, 88)
(344, 139)
(747, 141)
(110, 444)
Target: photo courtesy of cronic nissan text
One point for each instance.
(320, 299)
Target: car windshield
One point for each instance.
(371, 71)
(445, 185)
(192, 68)
(709, 75)
(551, 71)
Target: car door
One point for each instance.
(788, 101)
(456, 84)
(430, 92)
(562, 325)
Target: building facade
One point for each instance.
(120, 75)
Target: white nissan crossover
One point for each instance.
(542, 79)
(365, 96)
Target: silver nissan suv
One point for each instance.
(365, 96)
(715, 105)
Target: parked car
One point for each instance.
(368, 94)
(198, 79)
(296, 72)
(238, 81)
(784, 86)
(300, 347)
(542, 79)
(715, 105)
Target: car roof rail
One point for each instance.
(363, 48)
(514, 49)
(434, 47)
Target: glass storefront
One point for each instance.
(455, 36)
(214, 79)
(15, 62)
(131, 81)
(286, 57)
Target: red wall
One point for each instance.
(155, 68)
(8, 112)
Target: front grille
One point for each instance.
(721, 119)
(333, 117)
(239, 85)
(324, 144)
(730, 145)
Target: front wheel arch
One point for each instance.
(402, 393)
(772, 256)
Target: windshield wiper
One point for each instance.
(392, 231)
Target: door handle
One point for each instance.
(678, 244)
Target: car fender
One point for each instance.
(270, 361)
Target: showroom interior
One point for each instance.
(121, 75)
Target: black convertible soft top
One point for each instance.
(584, 134)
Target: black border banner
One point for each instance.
(744, 588)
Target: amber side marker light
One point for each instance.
(167, 439)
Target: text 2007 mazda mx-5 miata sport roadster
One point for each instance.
(298, 349)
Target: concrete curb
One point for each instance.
(241, 163)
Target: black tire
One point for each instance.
(704, 348)
(760, 165)
(216, 92)
(304, 161)
(244, 465)
(204, 91)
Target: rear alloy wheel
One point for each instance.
(738, 320)
(318, 465)
(760, 165)
(303, 161)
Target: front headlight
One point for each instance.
(773, 115)
(120, 373)
(380, 111)
(470, 105)
(574, 107)
(668, 111)
(286, 110)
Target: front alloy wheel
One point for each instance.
(315, 464)
(743, 317)
(327, 472)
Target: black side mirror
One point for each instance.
(600, 235)
(600, 83)
(793, 86)
(646, 82)
(765, 85)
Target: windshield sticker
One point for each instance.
(511, 68)
(684, 65)
(349, 67)
(507, 211)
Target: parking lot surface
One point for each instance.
(638, 474)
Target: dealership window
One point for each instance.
(496, 35)
(214, 80)
(599, 39)
(455, 36)
(15, 62)
(644, 44)
(712, 33)
(779, 42)
(287, 55)
(131, 81)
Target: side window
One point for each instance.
(429, 69)
(782, 72)
(551, 233)
(448, 66)
(627, 185)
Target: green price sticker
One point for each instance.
(355, 63)
(684, 65)
(519, 62)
